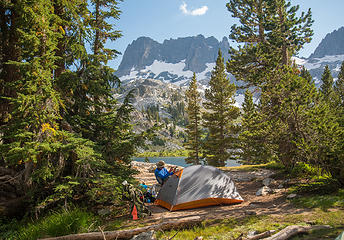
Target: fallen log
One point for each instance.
(293, 230)
(261, 235)
(126, 234)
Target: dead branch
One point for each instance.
(101, 230)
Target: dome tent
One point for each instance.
(197, 186)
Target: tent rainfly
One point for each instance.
(197, 186)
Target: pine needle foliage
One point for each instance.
(193, 109)
(326, 87)
(62, 131)
(301, 124)
(253, 140)
(220, 116)
(269, 33)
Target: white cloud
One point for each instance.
(196, 12)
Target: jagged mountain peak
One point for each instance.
(332, 44)
(174, 60)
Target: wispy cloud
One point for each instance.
(196, 12)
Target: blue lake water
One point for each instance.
(179, 161)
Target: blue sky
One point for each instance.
(165, 19)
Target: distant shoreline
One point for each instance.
(176, 153)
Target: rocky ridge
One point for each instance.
(175, 60)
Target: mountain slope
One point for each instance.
(332, 44)
(174, 60)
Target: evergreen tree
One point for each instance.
(193, 131)
(64, 132)
(270, 33)
(339, 87)
(306, 75)
(286, 106)
(322, 144)
(253, 135)
(220, 116)
(326, 87)
(288, 31)
(32, 136)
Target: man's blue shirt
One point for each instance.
(162, 174)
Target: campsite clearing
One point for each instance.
(273, 209)
(247, 184)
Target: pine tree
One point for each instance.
(252, 138)
(271, 34)
(286, 106)
(33, 136)
(339, 87)
(220, 116)
(306, 75)
(246, 135)
(288, 31)
(64, 132)
(326, 87)
(322, 144)
(193, 131)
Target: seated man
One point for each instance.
(161, 173)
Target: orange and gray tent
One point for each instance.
(197, 186)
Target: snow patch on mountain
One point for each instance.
(314, 63)
(168, 72)
(174, 68)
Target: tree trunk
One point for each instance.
(59, 52)
(261, 235)
(293, 230)
(127, 234)
(9, 73)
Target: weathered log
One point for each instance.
(261, 235)
(126, 234)
(293, 230)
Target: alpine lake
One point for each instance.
(179, 161)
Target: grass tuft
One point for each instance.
(56, 224)
(324, 202)
(232, 228)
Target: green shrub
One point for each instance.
(305, 170)
(320, 186)
(56, 224)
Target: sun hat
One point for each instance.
(161, 163)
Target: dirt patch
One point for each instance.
(247, 184)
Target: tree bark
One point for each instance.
(293, 230)
(261, 235)
(59, 52)
(127, 234)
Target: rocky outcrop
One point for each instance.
(175, 60)
(193, 52)
(332, 44)
(141, 52)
